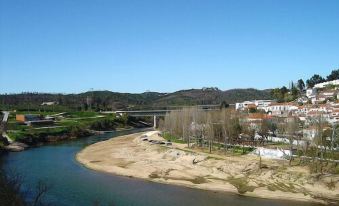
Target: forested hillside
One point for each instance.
(107, 100)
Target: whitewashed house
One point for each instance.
(302, 110)
(309, 133)
(311, 93)
(49, 103)
(324, 84)
(279, 109)
(259, 104)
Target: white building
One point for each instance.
(302, 100)
(309, 133)
(49, 103)
(324, 84)
(311, 93)
(302, 110)
(281, 108)
(326, 108)
(243, 105)
(259, 104)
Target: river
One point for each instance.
(72, 184)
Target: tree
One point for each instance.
(280, 93)
(42, 188)
(292, 128)
(252, 110)
(272, 127)
(301, 85)
(283, 90)
(235, 128)
(264, 130)
(224, 104)
(315, 79)
(12, 190)
(209, 131)
(334, 139)
(294, 92)
(186, 121)
(334, 75)
(319, 140)
(277, 94)
(225, 116)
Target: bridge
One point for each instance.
(145, 113)
(160, 112)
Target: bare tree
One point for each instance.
(12, 190)
(292, 128)
(264, 130)
(186, 122)
(319, 142)
(225, 117)
(41, 189)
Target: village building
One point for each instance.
(311, 93)
(48, 103)
(309, 133)
(22, 118)
(33, 119)
(302, 100)
(254, 120)
(258, 104)
(281, 109)
(328, 83)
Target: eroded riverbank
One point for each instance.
(130, 156)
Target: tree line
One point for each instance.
(228, 129)
(295, 90)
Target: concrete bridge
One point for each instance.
(142, 113)
(161, 112)
(146, 113)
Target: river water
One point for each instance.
(72, 184)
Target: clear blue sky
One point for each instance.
(164, 45)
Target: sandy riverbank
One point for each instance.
(130, 156)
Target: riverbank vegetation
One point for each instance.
(66, 125)
(12, 191)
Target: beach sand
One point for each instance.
(130, 156)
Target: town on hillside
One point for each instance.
(316, 104)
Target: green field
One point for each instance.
(68, 123)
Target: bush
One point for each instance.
(77, 131)
(172, 138)
(102, 125)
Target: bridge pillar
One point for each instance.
(154, 122)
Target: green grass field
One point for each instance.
(69, 122)
(81, 114)
(172, 138)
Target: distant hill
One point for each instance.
(107, 100)
(239, 95)
(211, 96)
